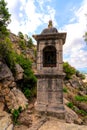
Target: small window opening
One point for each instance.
(49, 56)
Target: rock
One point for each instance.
(1, 106)
(83, 106)
(65, 101)
(19, 72)
(71, 116)
(5, 72)
(76, 82)
(12, 97)
(5, 121)
(59, 125)
(21, 127)
(25, 119)
(12, 85)
(15, 99)
(5, 91)
(10, 127)
(78, 121)
(85, 120)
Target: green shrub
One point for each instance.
(79, 74)
(27, 66)
(81, 98)
(4, 19)
(15, 114)
(27, 93)
(82, 112)
(30, 43)
(70, 105)
(34, 91)
(65, 90)
(7, 53)
(29, 81)
(69, 70)
(20, 34)
(22, 44)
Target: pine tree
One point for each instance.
(4, 18)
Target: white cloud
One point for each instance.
(11, 4)
(27, 17)
(75, 49)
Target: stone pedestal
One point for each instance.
(50, 95)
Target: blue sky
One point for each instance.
(32, 16)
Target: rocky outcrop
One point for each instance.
(60, 125)
(71, 116)
(5, 73)
(76, 83)
(10, 95)
(19, 72)
(5, 121)
(15, 99)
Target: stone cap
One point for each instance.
(52, 36)
(50, 29)
(50, 33)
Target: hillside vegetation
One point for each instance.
(18, 54)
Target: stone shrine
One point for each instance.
(50, 71)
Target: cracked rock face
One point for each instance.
(12, 97)
(15, 99)
(5, 72)
(5, 121)
(19, 72)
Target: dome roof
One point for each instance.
(50, 29)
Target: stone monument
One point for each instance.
(50, 71)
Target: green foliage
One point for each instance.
(79, 111)
(27, 66)
(80, 75)
(69, 70)
(65, 90)
(4, 18)
(15, 114)
(82, 112)
(70, 105)
(7, 53)
(81, 98)
(29, 81)
(20, 34)
(27, 92)
(22, 44)
(30, 43)
(30, 92)
(34, 91)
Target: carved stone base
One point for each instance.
(54, 111)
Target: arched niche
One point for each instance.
(49, 56)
